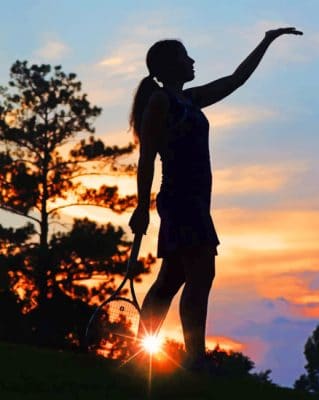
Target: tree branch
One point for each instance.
(6, 208)
(77, 204)
(65, 225)
(24, 144)
(74, 162)
(87, 174)
(24, 161)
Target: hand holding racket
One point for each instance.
(140, 220)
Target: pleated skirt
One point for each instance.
(185, 222)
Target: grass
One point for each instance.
(30, 373)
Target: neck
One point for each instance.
(175, 87)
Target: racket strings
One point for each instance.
(121, 311)
(117, 317)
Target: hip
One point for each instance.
(176, 206)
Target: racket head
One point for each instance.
(114, 327)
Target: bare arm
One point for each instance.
(152, 129)
(216, 90)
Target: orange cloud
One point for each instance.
(295, 228)
(244, 179)
(262, 252)
(312, 312)
(223, 117)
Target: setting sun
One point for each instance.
(152, 344)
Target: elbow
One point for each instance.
(146, 163)
(238, 80)
(147, 156)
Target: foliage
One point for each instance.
(310, 381)
(230, 363)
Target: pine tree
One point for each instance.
(42, 113)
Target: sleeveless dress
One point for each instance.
(183, 202)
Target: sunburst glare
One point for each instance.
(152, 344)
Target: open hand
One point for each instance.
(274, 33)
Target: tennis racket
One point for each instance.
(115, 322)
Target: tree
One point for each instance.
(230, 363)
(41, 112)
(310, 381)
(13, 245)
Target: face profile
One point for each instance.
(181, 67)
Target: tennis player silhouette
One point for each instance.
(168, 120)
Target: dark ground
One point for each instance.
(30, 373)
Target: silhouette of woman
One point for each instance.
(168, 120)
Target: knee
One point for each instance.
(212, 275)
(204, 283)
(163, 291)
(207, 278)
(200, 271)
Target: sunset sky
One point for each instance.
(264, 144)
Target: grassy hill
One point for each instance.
(29, 373)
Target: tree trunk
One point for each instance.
(44, 266)
(43, 259)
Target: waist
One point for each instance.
(186, 185)
(181, 200)
(187, 178)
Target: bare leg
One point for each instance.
(199, 271)
(158, 299)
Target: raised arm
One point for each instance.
(215, 91)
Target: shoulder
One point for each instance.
(156, 111)
(157, 107)
(159, 101)
(190, 94)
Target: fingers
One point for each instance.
(295, 32)
(275, 33)
(292, 30)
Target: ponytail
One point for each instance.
(142, 95)
(158, 59)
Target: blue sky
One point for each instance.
(264, 144)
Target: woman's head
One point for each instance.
(167, 60)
